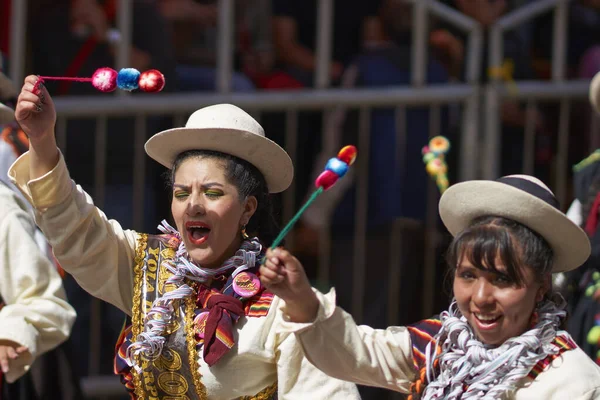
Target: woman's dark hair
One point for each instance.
(249, 181)
(490, 238)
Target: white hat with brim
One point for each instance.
(227, 129)
(521, 198)
(7, 114)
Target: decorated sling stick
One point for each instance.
(435, 162)
(334, 169)
(107, 80)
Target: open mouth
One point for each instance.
(197, 232)
(487, 321)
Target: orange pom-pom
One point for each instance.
(347, 154)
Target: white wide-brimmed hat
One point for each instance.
(227, 129)
(524, 199)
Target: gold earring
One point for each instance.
(244, 234)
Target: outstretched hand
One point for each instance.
(9, 351)
(35, 111)
(284, 275)
(36, 115)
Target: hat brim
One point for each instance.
(270, 159)
(463, 202)
(7, 114)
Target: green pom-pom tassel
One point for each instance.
(593, 336)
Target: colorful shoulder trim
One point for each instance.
(259, 305)
(562, 342)
(421, 334)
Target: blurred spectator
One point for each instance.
(584, 308)
(194, 24)
(582, 62)
(294, 27)
(518, 51)
(355, 23)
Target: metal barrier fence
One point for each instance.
(480, 126)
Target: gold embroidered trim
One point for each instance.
(190, 305)
(136, 317)
(265, 394)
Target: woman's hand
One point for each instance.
(36, 115)
(9, 351)
(284, 275)
(35, 110)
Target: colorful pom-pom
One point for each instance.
(326, 180)
(427, 157)
(435, 165)
(593, 336)
(127, 79)
(589, 291)
(105, 79)
(337, 166)
(439, 145)
(152, 81)
(347, 154)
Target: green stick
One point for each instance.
(295, 218)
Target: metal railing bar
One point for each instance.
(167, 103)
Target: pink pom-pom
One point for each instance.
(347, 154)
(326, 180)
(152, 81)
(105, 79)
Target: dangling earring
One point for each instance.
(244, 234)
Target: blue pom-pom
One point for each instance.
(337, 166)
(127, 79)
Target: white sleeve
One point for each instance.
(96, 251)
(36, 314)
(574, 212)
(360, 354)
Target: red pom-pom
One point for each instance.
(105, 79)
(327, 179)
(347, 154)
(152, 81)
